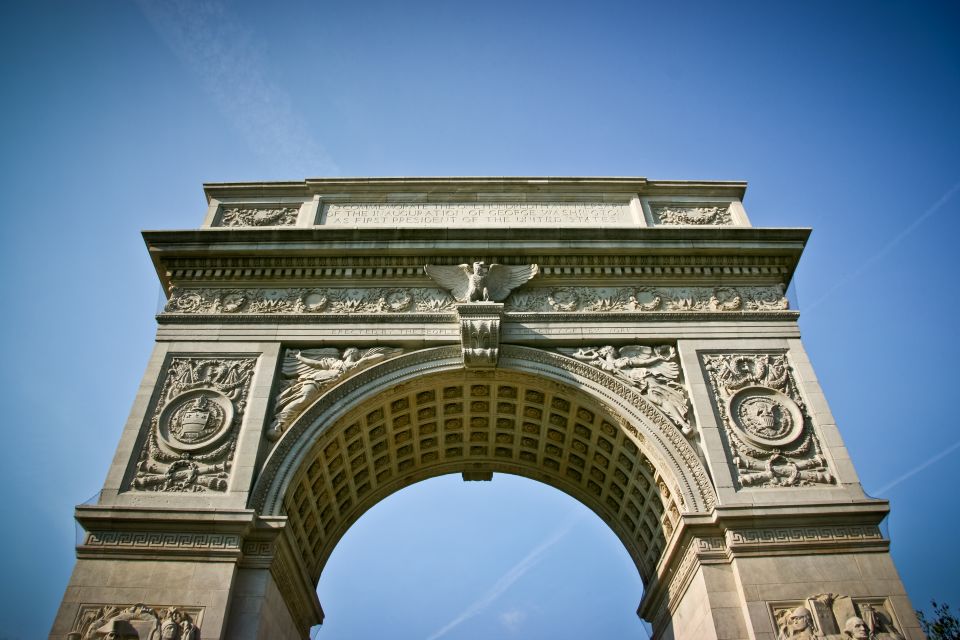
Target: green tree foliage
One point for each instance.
(944, 625)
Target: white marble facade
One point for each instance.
(326, 342)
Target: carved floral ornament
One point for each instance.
(259, 216)
(399, 300)
(829, 616)
(194, 427)
(763, 415)
(703, 215)
(125, 622)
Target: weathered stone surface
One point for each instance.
(627, 341)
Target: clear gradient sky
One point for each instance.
(842, 116)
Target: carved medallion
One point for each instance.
(769, 434)
(195, 419)
(766, 417)
(195, 424)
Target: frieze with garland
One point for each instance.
(678, 214)
(194, 427)
(765, 419)
(398, 300)
(252, 216)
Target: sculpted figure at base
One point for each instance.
(310, 372)
(136, 622)
(800, 626)
(828, 616)
(479, 282)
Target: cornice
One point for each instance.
(469, 185)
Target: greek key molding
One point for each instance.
(162, 540)
(812, 534)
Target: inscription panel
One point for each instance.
(460, 214)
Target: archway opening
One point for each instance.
(477, 423)
(446, 560)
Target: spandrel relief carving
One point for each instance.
(705, 215)
(138, 621)
(480, 282)
(194, 427)
(259, 216)
(307, 373)
(653, 370)
(768, 429)
(829, 616)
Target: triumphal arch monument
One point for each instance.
(328, 342)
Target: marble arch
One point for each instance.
(628, 341)
(538, 415)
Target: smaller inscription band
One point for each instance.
(459, 214)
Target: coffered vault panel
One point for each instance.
(478, 422)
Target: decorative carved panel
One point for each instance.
(194, 426)
(648, 299)
(828, 616)
(310, 300)
(768, 429)
(248, 215)
(411, 300)
(307, 373)
(652, 370)
(691, 214)
(148, 622)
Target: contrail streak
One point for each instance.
(226, 58)
(516, 572)
(920, 467)
(886, 248)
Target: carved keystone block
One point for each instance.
(480, 333)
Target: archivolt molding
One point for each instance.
(538, 414)
(678, 454)
(669, 447)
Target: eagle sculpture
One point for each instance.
(479, 282)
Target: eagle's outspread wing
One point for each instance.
(502, 279)
(455, 279)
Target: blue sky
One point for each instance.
(842, 116)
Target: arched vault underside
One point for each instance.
(538, 414)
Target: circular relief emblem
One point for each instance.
(195, 419)
(313, 301)
(563, 299)
(766, 417)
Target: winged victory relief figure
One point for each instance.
(480, 282)
(310, 372)
(654, 371)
